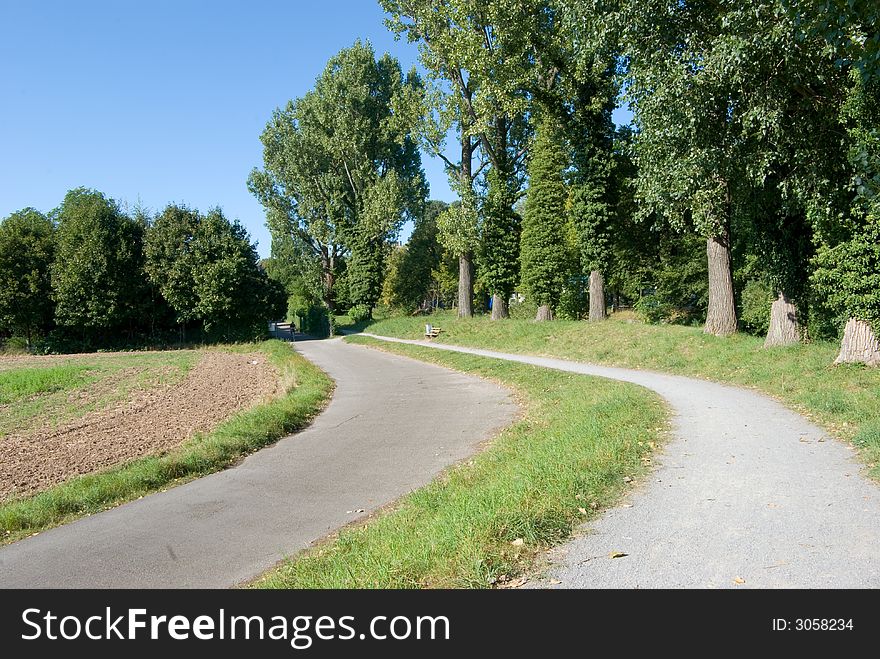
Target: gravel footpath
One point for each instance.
(746, 494)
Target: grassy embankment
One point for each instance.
(306, 390)
(579, 442)
(843, 399)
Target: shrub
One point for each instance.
(755, 300)
(525, 310)
(360, 313)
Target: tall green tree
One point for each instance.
(97, 278)
(234, 296)
(475, 52)
(342, 168)
(169, 263)
(499, 239)
(543, 231)
(208, 271)
(27, 247)
(690, 162)
(592, 206)
(410, 283)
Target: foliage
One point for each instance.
(97, 276)
(755, 303)
(208, 270)
(498, 256)
(543, 255)
(411, 279)
(458, 225)
(342, 169)
(360, 313)
(676, 289)
(168, 248)
(574, 301)
(847, 276)
(27, 246)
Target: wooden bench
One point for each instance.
(432, 332)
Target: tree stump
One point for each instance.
(784, 328)
(499, 307)
(544, 313)
(859, 345)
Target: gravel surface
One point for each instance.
(748, 494)
(153, 421)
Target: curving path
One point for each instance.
(747, 494)
(392, 426)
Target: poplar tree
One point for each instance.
(543, 256)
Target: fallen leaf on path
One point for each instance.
(582, 511)
(627, 479)
(739, 580)
(617, 554)
(519, 542)
(555, 582)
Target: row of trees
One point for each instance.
(755, 130)
(89, 274)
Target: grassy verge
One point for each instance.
(483, 522)
(307, 389)
(844, 399)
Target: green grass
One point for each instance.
(562, 462)
(53, 392)
(306, 389)
(844, 399)
(21, 383)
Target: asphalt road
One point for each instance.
(748, 494)
(393, 425)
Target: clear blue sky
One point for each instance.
(162, 101)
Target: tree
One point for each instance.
(27, 246)
(169, 265)
(411, 281)
(342, 165)
(234, 297)
(476, 51)
(97, 277)
(592, 206)
(690, 163)
(499, 240)
(848, 277)
(208, 271)
(542, 253)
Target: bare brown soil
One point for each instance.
(151, 422)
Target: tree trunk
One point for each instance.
(597, 296)
(465, 261)
(721, 315)
(785, 330)
(499, 307)
(859, 345)
(465, 286)
(329, 264)
(544, 313)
